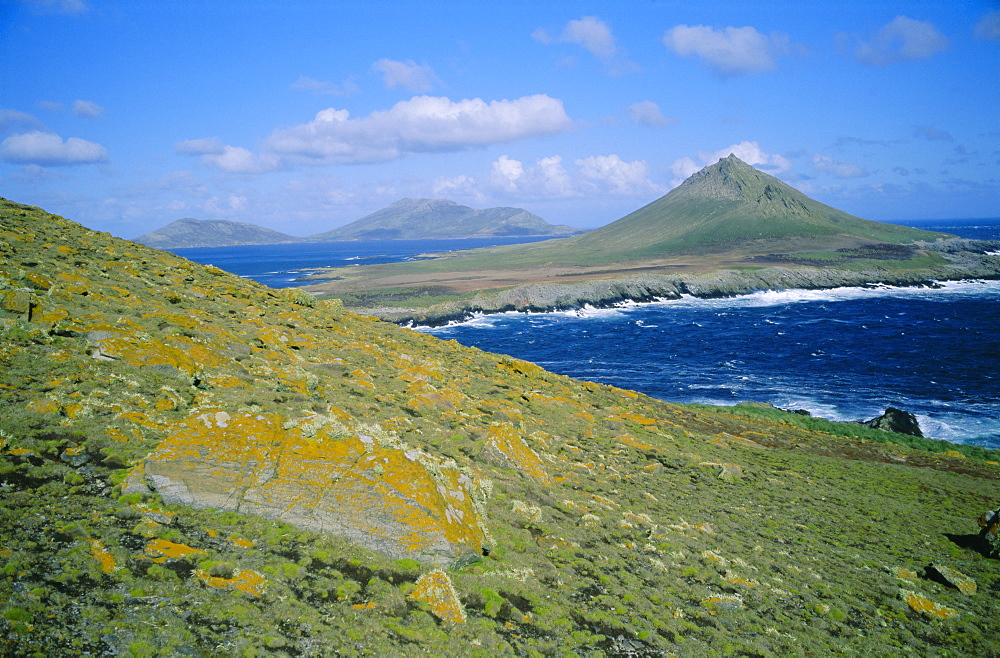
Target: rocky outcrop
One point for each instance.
(895, 420)
(398, 501)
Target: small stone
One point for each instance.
(75, 456)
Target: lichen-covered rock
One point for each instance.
(953, 577)
(436, 590)
(505, 447)
(925, 606)
(397, 501)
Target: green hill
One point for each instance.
(195, 464)
(733, 206)
(211, 233)
(417, 219)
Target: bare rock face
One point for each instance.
(397, 501)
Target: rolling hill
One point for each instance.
(417, 219)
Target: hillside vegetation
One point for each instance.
(194, 464)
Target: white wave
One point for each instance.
(766, 298)
(589, 311)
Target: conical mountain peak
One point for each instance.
(731, 206)
(733, 179)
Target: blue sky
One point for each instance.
(303, 116)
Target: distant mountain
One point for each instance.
(732, 206)
(415, 219)
(189, 232)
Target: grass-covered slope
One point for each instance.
(193, 464)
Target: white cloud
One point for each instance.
(13, 120)
(87, 109)
(902, 39)
(238, 160)
(648, 113)
(989, 27)
(749, 152)
(611, 173)
(507, 173)
(49, 149)
(590, 32)
(549, 178)
(321, 87)
(203, 146)
(729, 51)
(58, 6)
(421, 124)
(409, 75)
(460, 186)
(233, 203)
(593, 34)
(838, 168)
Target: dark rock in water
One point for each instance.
(896, 420)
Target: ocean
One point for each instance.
(843, 354)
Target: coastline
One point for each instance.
(969, 260)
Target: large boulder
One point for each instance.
(398, 501)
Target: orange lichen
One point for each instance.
(638, 418)
(103, 556)
(956, 579)
(629, 441)
(924, 605)
(401, 502)
(736, 580)
(505, 446)
(723, 602)
(160, 550)
(436, 590)
(44, 406)
(248, 582)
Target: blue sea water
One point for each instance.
(285, 265)
(843, 354)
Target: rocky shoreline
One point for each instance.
(969, 259)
